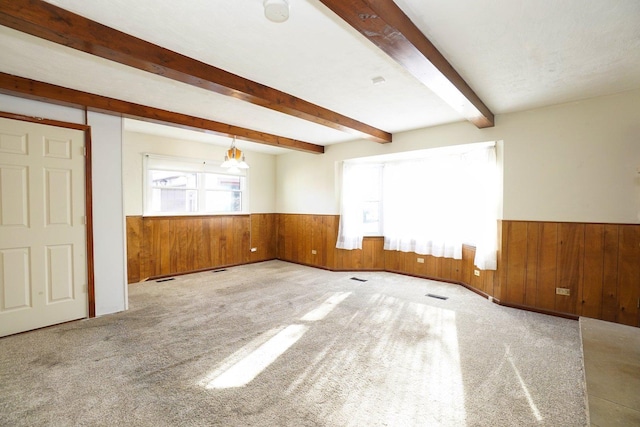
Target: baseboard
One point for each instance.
(453, 282)
(538, 310)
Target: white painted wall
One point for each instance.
(108, 214)
(261, 174)
(109, 232)
(571, 162)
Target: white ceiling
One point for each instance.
(516, 55)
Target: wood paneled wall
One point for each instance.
(598, 263)
(162, 246)
(300, 235)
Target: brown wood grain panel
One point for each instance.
(305, 235)
(569, 265)
(610, 273)
(530, 287)
(457, 267)
(378, 253)
(391, 260)
(245, 248)
(445, 268)
(547, 266)
(134, 248)
(357, 259)
(281, 239)
(197, 244)
(167, 246)
(429, 268)
(516, 268)
(184, 231)
(149, 249)
(407, 262)
(489, 280)
(628, 275)
(288, 237)
(325, 243)
(330, 224)
(503, 236)
(368, 253)
(174, 248)
(225, 243)
(316, 241)
(592, 280)
(263, 237)
(468, 254)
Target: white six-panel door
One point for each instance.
(43, 266)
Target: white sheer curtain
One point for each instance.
(433, 205)
(421, 209)
(430, 205)
(356, 181)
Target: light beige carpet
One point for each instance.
(374, 353)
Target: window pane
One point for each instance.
(222, 182)
(174, 179)
(174, 200)
(223, 201)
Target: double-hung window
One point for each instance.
(177, 186)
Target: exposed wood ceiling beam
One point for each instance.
(47, 21)
(26, 88)
(386, 25)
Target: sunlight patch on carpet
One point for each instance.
(326, 307)
(241, 373)
(525, 389)
(246, 364)
(404, 361)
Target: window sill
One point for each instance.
(194, 214)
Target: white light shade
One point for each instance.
(234, 158)
(276, 10)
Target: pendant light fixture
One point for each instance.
(234, 158)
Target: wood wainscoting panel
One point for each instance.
(516, 253)
(531, 264)
(308, 239)
(598, 263)
(263, 237)
(547, 266)
(569, 266)
(134, 248)
(610, 274)
(164, 246)
(629, 275)
(592, 294)
(330, 225)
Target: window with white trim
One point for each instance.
(179, 186)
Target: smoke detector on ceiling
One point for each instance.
(276, 10)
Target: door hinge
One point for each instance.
(84, 220)
(84, 151)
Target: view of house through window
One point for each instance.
(176, 186)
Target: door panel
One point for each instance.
(43, 266)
